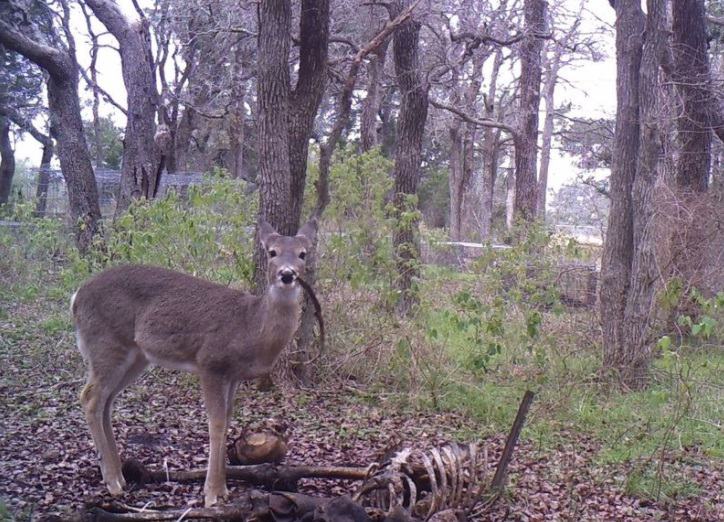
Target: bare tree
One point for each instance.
(408, 152)
(491, 147)
(142, 161)
(62, 68)
(526, 152)
(375, 70)
(566, 45)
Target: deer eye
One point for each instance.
(272, 253)
(302, 255)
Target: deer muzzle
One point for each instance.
(287, 275)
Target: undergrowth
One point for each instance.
(480, 336)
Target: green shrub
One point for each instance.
(208, 233)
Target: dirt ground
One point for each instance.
(48, 466)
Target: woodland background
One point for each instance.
(411, 129)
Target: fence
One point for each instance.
(51, 183)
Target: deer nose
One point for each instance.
(287, 275)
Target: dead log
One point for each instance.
(272, 476)
(276, 506)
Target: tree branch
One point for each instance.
(25, 124)
(102, 91)
(482, 122)
(50, 59)
(344, 104)
(111, 16)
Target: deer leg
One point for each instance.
(114, 465)
(230, 401)
(104, 375)
(216, 395)
(92, 400)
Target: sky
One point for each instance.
(589, 87)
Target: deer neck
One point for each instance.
(279, 316)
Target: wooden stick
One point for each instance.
(501, 472)
(262, 474)
(317, 312)
(112, 513)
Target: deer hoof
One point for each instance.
(115, 486)
(213, 497)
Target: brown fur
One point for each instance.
(131, 316)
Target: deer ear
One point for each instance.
(308, 230)
(266, 231)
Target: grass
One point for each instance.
(475, 355)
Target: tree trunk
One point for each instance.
(307, 95)
(634, 357)
(388, 135)
(618, 247)
(7, 160)
(371, 103)
(527, 140)
(141, 168)
(408, 154)
(41, 192)
(75, 161)
(65, 116)
(510, 200)
(545, 155)
(491, 137)
(691, 75)
(375, 70)
(455, 178)
(238, 116)
(273, 107)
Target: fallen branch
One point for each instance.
(111, 513)
(270, 475)
(254, 505)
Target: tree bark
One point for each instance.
(371, 103)
(510, 200)
(634, 357)
(141, 167)
(526, 154)
(41, 192)
(65, 115)
(7, 160)
(692, 79)
(275, 187)
(553, 67)
(408, 154)
(618, 248)
(307, 95)
(455, 177)
(491, 139)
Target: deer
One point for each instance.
(132, 316)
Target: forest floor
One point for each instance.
(48, 465)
